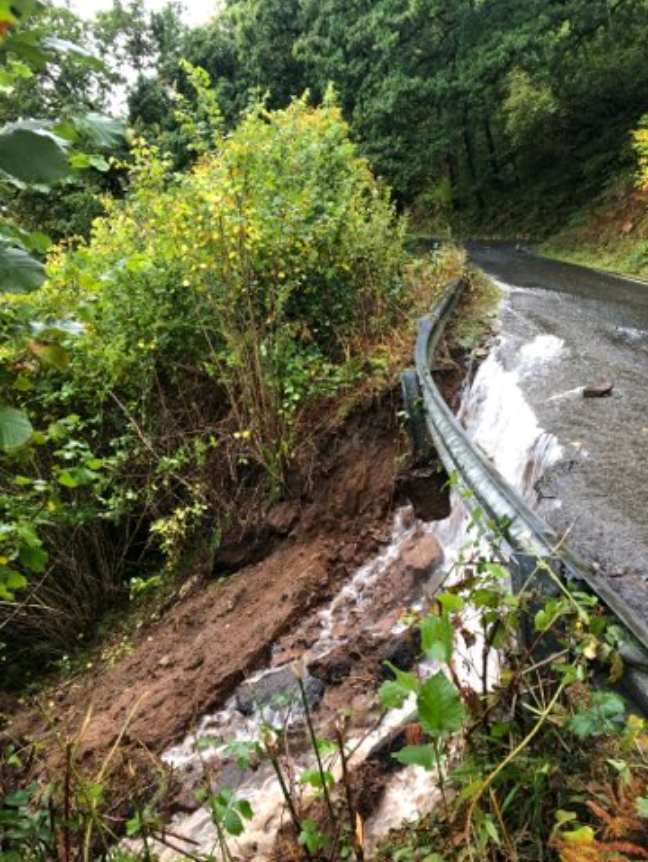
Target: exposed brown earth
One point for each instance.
(202, 647)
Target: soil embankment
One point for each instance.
(203, 646)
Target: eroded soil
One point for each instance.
(201, 648)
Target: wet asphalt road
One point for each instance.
(595, 329)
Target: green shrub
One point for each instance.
(206, 311)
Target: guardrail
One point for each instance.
(522, 528)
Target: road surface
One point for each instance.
(592, 329)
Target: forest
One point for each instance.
(207, 262)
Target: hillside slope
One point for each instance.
(610, 233)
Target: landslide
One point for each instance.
(223, 628)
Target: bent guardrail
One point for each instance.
(524, 530)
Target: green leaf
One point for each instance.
(327, 747)
(232, 822)
(37, 242)
(51, 355)
(243, 751)
(34, 559)
(496, 570)
(67, 479)
(32, 156)
(10, 580)
(245, 809)
(13, 580)
(84, 161)
(395, 692)
(437, 637)
(641, 806)
(440, 709)
(16, 11)
(311, 838)
(451, 603)
(583, 835)
(314, 778)
(26, 44)
(67, 131)
(104, 131)
(417, 755)
(15, 71)
(19, 271)
(605, 715)
(15, 428)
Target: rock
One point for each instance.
(334, 667)
(274, 688)
(628, 227)
(603, 390)
(186, 801)
(402, 652)
(420, 555)
(283, 517)
(426, 489)
(384, 750)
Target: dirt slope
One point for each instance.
(194, 656)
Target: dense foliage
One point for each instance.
(179, 347)
(494, 110)
(641, 146)
(491, 115)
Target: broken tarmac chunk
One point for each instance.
(603, 390)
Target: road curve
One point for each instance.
(593, 329)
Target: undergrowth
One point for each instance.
(535, 753)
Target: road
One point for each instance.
(592, 328)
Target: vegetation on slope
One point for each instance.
(493, 117)
(612, 232)
(180, 349)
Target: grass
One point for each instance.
(478, 311)
(611, 234)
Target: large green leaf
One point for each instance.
(15, 428)
(16, 11)
(26, 46)
(440, 709)
(19, 271)
(32, 156)
(104, 131)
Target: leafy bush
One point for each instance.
(205, 313)
(640, 138)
